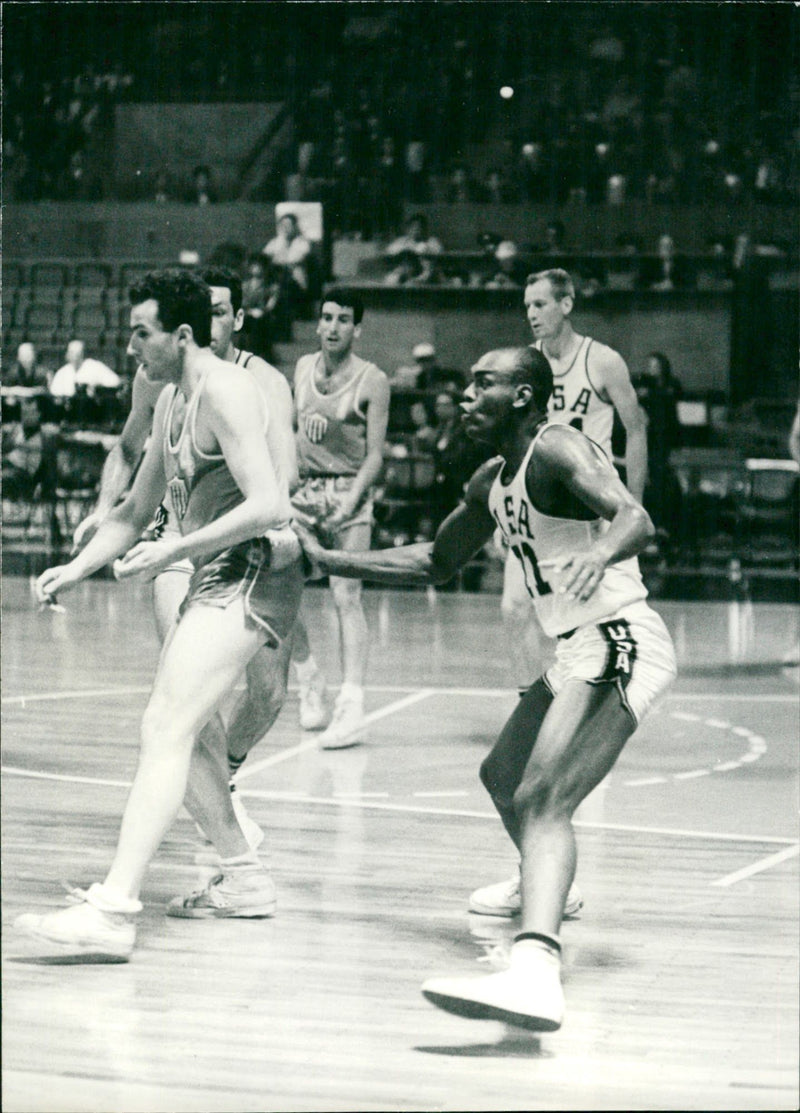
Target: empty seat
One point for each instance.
(42, 322)
(93, 274)
(13, 278)
(767, 522)
(130, 273)
(89, 322)
(49, 274)
(47, 295)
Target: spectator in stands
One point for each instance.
(161, 188)
(203, 192)
(81, 371)
(415, 238)
(455, 456)
(461, 186)
(258, 302)
(77, 182)
(432, 376)
(554, 238)
(388, 188)
(534, 185)
(511, 270)
(289, 255)
(28, 454)
(423, 438)
(667, 270)
(416, 186)
(658, 391)
(26, 369)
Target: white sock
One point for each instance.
(109, 898)
(306, 670)
(350, 693)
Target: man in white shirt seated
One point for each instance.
(82, 371)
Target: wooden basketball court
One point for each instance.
(681, 974)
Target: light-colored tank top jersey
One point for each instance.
(535, 537)
(576, 402)
(344, 446)
(169, 522)
(199, 485)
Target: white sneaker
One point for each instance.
(347, 726)
(528, 994)
(314, 710)
(91, 928)
(241, 894)
(250, 829)
(504, 899)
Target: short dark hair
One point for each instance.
(560, 282)
(533, 368)
(342, 295)
(224, 276)
(183, 299)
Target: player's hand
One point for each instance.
(316, 426)
(85, 532)
(284, 547)
(338, 518)
(53, 581)
(146, 558)
(312, 551)
(577, 577)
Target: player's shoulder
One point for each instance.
(602, 357)
(483, 477)
(264, 369)
(372, 374)
(306, 363)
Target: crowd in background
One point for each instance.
(404, 105)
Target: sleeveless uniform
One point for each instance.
(329, 467)
(202, 489)
(165, 523)
(614, 636)
(575, 399)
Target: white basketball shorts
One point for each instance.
(631, 650)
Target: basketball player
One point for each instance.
(575, 528)
(341, 413)
(590, 382)
(266, 674)
(210, 449)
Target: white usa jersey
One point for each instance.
(576, 401)
(536, 538)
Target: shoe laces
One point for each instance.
(74, 894)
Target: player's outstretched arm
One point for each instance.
(120, 529)
(460, 536)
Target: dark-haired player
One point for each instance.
(209, 448)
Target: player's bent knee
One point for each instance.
(537, 793)
(499, 783)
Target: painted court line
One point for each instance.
(456, 813)
(758, 867)
(250, 770)
(490, 693)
